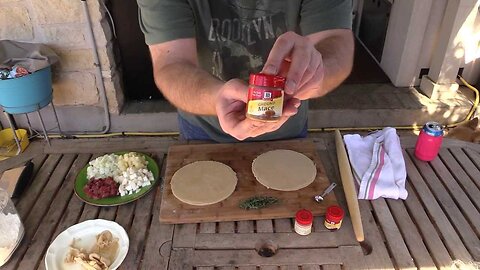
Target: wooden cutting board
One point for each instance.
(239, 157)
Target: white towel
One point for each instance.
(377, 164)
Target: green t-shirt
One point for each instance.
(234, 38)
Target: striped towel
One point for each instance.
(377, 164)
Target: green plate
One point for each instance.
(82, 180)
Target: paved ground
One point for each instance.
(360, 105)
(351, 105)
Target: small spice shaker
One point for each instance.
(303, 222)
(265, 97)
(334, 217)
(11, 227)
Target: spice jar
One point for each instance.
(11, 227)
(333, 217)
(303, 222)
(265, 97)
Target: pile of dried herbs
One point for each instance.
(258, 202)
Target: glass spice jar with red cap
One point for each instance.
(303, 222)
(334, 217)
(265, 97)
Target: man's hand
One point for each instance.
(296, 58)
(231, 107)
(314, 64)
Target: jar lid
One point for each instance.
(334, 213)
(260, 79)
(304, 217)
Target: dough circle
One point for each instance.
(284, 170)
(203, 183)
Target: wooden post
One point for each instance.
(404, 39)
(471, 71)
(448, 55)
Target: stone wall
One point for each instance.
(61, 25)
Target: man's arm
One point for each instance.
(313, 65)
(337, 50)
(182, 82)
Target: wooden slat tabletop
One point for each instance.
(438, 223)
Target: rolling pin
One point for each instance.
(349, 187)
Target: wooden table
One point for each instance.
(438, 223)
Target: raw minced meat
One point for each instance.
(101, 188)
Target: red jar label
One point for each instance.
(266, 103)
(332, 225)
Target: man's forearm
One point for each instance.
(337, 54)
(188, 87)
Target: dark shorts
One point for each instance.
(192, 132)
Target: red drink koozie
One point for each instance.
(429, 141)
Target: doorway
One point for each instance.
(135, 60)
